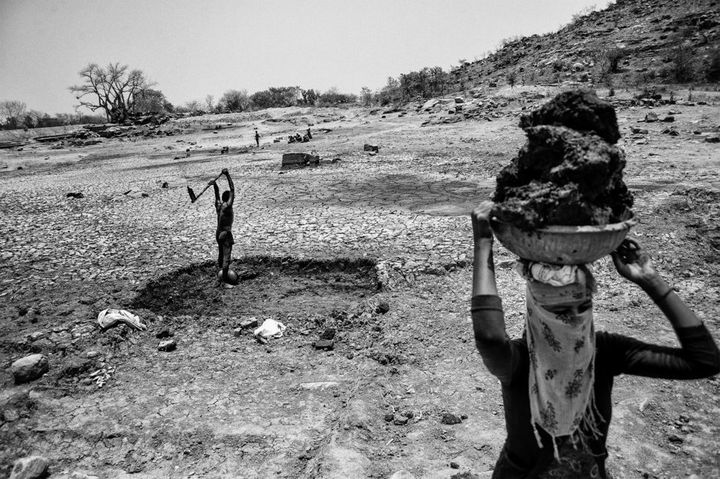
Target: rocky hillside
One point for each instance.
(630, 43)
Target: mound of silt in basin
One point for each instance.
(570, 171)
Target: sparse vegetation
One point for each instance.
(682, 64)
(334, 97)
(511, 78)
(713, 69)
(151, 101)
(14, 115)
(233, 101)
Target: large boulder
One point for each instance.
(299, 160)
(29, 368)
(32, 467)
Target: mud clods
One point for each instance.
(570, 171)
(579, 110)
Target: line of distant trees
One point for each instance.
(15, 115)
(119, 94)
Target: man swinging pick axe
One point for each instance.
(223, 234)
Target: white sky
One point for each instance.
(192, 48)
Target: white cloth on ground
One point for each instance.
(109, 318)
(270, 328)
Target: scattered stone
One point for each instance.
(10, 415)
(237, 332)
(165, 185)
(639, 131)
(75, 195)
(335, 160)
(328, 334)
(670, 131)
(371, 148)
(712, 139)
(466, 475)
(429, 105)
(675, 438)
(450, 419)
(400, 420)
(402, 474)
(29, 368)
(75, 366)
(454, 465)
(669, 119)
(167, 346)
(164, 333)
(36, 335)
(389, 417)
(382, 308)
(33, 467)
(224, 150)
(651, 117)
(324, 344)
(249, 323)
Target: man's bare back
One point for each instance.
(225, 217)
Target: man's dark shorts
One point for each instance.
(225, 238)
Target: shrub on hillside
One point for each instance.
(234, 101)
(334, 97)
(682, 68)
(713, 69)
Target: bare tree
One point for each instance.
(112, 89)
(193, 106)
(12, 113)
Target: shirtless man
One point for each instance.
(225, 217)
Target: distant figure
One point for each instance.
(257, 138)
(225, 216)
(309, 135)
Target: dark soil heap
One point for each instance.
(570, 171)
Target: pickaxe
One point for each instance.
(194, 197)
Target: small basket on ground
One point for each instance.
(562, 244)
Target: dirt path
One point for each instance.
(326, 248)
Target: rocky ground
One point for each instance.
(368, 251)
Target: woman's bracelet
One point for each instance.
(659, 297)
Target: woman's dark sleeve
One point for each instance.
(698, 356)
(496, 349)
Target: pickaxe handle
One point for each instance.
(194, 198)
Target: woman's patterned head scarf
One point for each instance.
(561, 347)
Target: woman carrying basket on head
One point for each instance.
(557, 379)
